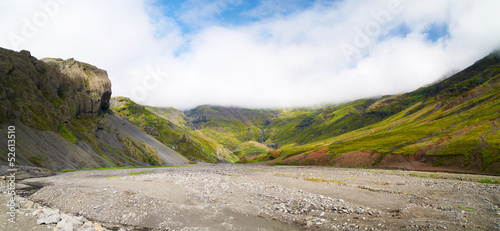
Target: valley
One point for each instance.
(450, 126)
(427, 159)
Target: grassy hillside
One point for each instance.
(192, 145)
(229, 125)
(236, 127)
(303, 126)
(452, 124)
(169, 113)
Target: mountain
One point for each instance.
(166, 125)
(64, 117)
(451, 125)
(60, 110)
(230, 126)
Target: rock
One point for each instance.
(71, 219)
(68, 227)
(65, 225)
(49, 212)
(91, 81)
(37, 213)
(87, 226)
(27, 204)
(98, 227)
(52, 219)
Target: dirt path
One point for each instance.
(255, 197)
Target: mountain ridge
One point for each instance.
(65, 108)
(303, 132)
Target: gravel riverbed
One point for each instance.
(258, 197)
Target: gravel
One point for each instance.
(256, 197)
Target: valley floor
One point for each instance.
(258, 197)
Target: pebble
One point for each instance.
(209, 189)
(54, 219)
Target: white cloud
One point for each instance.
(280, 61)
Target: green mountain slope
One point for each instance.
(451, 125)
(236, 127)
(231, 126)
(165, 124)
(303, 126)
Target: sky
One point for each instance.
(257, 53)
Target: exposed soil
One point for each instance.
(259, 197)
(356, 159)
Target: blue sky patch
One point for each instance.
(436, 31)
(402, 30)
(226, 13)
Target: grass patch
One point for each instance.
(427, 175)
(488, 181)
(131, 174)
(138, 173)
(380, 183)
(466, 209)
(323, 180)
(284, 175)
(127, 167)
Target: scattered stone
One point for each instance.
(52, 219)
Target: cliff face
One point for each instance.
(91, 83)
(40, 93)
(59, 108)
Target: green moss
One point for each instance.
(114, 150)
(56, 102)
(105, 157)
(64, 132)
(140, 151)
(37, 160)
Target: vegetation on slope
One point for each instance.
(59, 108)
(453, 124)
(190, 144)
(230, 126)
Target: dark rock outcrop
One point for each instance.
(40, 93)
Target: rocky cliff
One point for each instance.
(42, 93)
(92, 84)
(60, 111)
